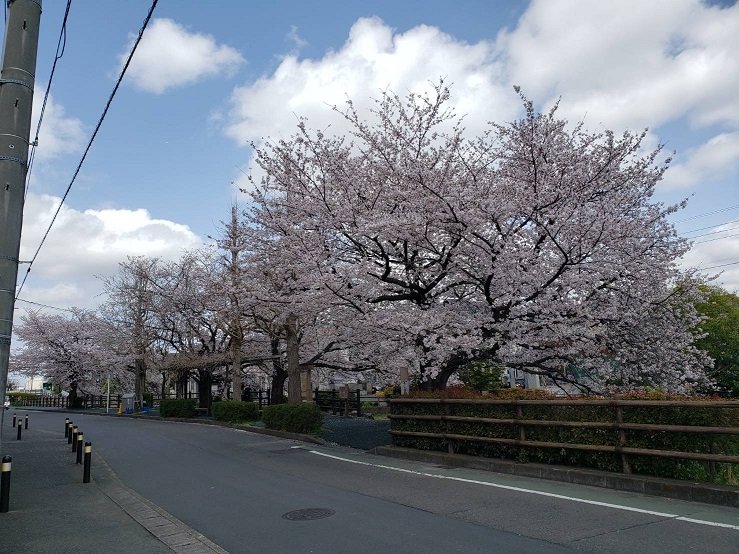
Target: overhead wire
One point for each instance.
(43, 305)
(61, 45)
(728, 208)
(717, 238)
(92, 139)
(719, 265)
(711, 226)
(713, 232)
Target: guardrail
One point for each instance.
(521, 424)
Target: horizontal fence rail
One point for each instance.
(520, 424)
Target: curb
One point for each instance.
(164, 526)
(259, 430)
(722, 495)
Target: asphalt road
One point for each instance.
(236, 488)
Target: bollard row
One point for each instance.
(83, 450)
(5, 485)
(74, 437)
(18, 423)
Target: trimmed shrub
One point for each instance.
(296, 418)
(18, 398)
(177, 408)
(235, 410)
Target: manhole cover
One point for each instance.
(308, 514)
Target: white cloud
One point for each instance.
(295, 39)
(83, 244)
(711, 160)
(59, 133)
(629, 64)
(373, 58)
(171, 56)
(619, 65)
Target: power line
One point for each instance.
(720, 265)
(711, 226)
(717, 238)
(60, 47)
(43, 305)
(92, 138)
(707, 213)
(713, 233)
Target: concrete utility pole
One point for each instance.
(16, 100)
(140, 342)
(236, 331)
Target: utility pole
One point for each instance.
(237, 332)
(16, 101)
(139, 361)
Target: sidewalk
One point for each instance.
(51, 510)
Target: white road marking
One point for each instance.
(532, 491)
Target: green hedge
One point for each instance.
(235, 410)
(297, 418)
(647, 465)
(18, 397)
(177, 408)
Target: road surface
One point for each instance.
(248, 492)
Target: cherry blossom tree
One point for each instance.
(535, 244)
(73, 351)
(128, 310)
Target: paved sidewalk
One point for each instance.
(51, 510)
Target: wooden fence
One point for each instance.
(520, 424)
(331, 401)
(40, 400)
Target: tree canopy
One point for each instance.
(720, 310)
(406, 243)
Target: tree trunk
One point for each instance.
(294, 395)
(72, 395)
(279, 376)
(181, 384)
(139, 382)
(236, 367)
(442, 378)
(205, 380)
(164, 385)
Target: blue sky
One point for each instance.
(211, 76)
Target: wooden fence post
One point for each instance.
(521, 428)
(625, 465)
(449, 443)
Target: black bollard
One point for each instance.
(69, 433)
(66, 427)
(80, 444)
(20, 429)
(15, 418)
(26, 422)
(5, 485)
(88, 463)
(74, 438)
